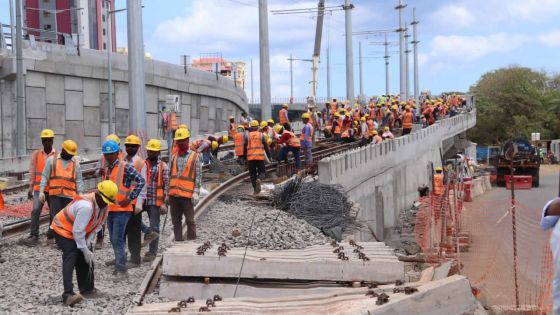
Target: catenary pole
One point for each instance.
(349, 52)
(136, 86)
(266, 107)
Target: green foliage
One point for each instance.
(513, 102)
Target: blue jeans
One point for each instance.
(153, 216)
(206, 157)
(283, 155)
(116, 221)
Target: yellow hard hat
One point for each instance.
(340, 110)
(183, 126)
(407, 107)
(113, 137)
(225, 139)
(70, 147)
(285, 105)
(215, 145)
(305, 116)
(270, 121)
(278, 128)
(363, 119)
(263, 124)
(355, 122)
(133, 139)
(356, 105)
(336, 115)
(182, 133)
(153, 145)
(269, 141)
(47, 133)
(241, 127)
(386, 129)
(108, 191)
(254, 123)
(387, 112)
(439, 169)
(347, 114)
(374, 132)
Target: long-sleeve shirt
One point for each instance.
(182, 161)
(46, 175)
(143, 173)
(307, 134)
(151, 191)
(32, 165)
(130, 175)
(82, 211)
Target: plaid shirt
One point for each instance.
(151, 195)
(130, 175)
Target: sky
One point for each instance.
(459, 39)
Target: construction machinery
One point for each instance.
(520, 154)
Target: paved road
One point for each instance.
(489, 262)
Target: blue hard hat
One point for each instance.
(110, 146)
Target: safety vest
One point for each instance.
(356, 114)
(407, 120)
(283, 115)
(311, 130)
(255, 148)
(116, 175)
(438, 185)
(370, 125)
(232, 129)
(367, 133)
(182, 185)
(38, 161)
(171, 122)
(62, 180)
(159, 180)
(333, 108)
(337, 128)
(238, 142)
(293, 141)
(63, 222)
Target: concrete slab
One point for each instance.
(75, 131)
(121, 122)
(34, 127)
(91, 92)
(35, 79)
(55, 89)
(442, 271)
(204, 116)
(151, 99)
(186, 114)
(35, 102)
(74, 105)
(152, 125)
(185, 98)
(312, 263)
(73, 83)
(121, 95)
(194, 127)
(56, 118)
(92, 121)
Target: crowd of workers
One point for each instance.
(130, 185)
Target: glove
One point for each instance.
(137, 208)
(162, 209)
(88, 255)
(42, 197)
(30, 193)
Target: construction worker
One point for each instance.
(387, 134)
(232, 128)
(439, 188)
(283, 117)
(101, 164)
(407, 120)
(184, 184)
(157, 180)
(271, 133)
(74, 228)
(133, 232)
(36, 166)
(244, 120)
(306, 138)
(549, 221)
(239, 141)
(290, 143)
(375, 137)
(255, 149)
(364, 132)
(63, 177)
(207, 146)
(336, 127)
(130, 184)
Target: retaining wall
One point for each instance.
(384, 178)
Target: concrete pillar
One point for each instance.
(136, 86)
(402, 65)
(349, 51)
(266, 106)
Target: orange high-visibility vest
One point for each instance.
(370, 125)
(356, 114)
(172, 122)
(255, 147)
(238, 142)
(293, 141)
(63, 222)
(159, 180)
(117, 176)
(283, 114)
(232, 129)
(407, 120)
(182, 185)
(62, 180)
(337, 128)
(438, 185)
(38, 161)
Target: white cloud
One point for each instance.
(533, 10)
(453, 15)
(550, 39)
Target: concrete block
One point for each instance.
(204, 114)
(74, 105)
(121, 122)
(186, 98)
(44, 66)
(194, 126)
(35, 102)
(91, 92)
(35, 79)
(91, 144)
(152, 125)
(211, 110)
(162, 94)
(210, 127)
(73, 83)
(186, 114)
(75, 131)
(151, 99)
(33, 128)
(104, 107)
(121, 95)
(55, 89)
(56, 118)
(92, 121)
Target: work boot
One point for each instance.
(257, 187)
(148, 238)
(99, 243)
(148, 257)
(110, 263)
(94, 294)
(31, 240)
(71, 300)
(120, 275)
(132, 264)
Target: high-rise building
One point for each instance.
(213, 62)
(86, 21)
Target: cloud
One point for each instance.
(551, 39)
(533, 10)
(453, 15)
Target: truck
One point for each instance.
(524, 157)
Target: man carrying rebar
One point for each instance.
(551, 214)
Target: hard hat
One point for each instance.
(183, 126)
(386, 129)
(153, 145)
(374, 132)
(113, 137)
(439, 169)
(109, 146)
(133, 139)
(366, 115)
(285, 105)
(355, 122)
(225, 139)
(363, 119)
(182, 133)
(47, 133)
(305, 116)
(336, 115)
(340, 110)
(241, 127)
(394, 107)
(278, 128)
(347, 114)
(263, 124)
(269, 141)
(108, 191)
(270, 121)
(70, 147)
(407, 107)
(231, 117)
(356, 105)
(254, 123)
(387, 112)
(215, 145)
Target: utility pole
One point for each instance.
(291, 78)
(328, 75)
(136, 86)
(349, 54)
(12, 26)
(266, 107)
(20, 119)
(402, 65)
(361, 65)
(407, 62)
(415, 43)
(252, 92)
(387, 89)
